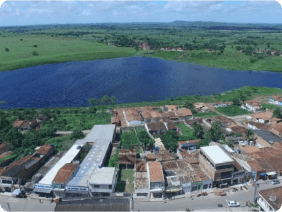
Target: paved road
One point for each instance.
(27, 204)
(204, 202)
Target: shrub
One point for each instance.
(35, 46)
(7, 50)
(35, 53)
(253, 60)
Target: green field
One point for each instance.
(53, 50)
(186, 131)
(232, 111)
(230, 59)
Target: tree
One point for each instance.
(277, 113)
(144, 138)
(7, 50)
(35, 46)
(14, 137)
(105, 100)
(77, 134)
(113, 100)
(236, 101)
(93, 101)
(170, 139)
(198, 130)
(250, 134)
(203, 142)
(242, 97)
(215, 133)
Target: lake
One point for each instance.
(132, 79)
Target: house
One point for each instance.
(218, 164)
(6, 158)
(267, 136)
(103, 181)
(168, 116)
(156, 116)
(256, 126)
(25, 125)
(170, 126)
(277, 100)
(156, 179)
(141, 185)
(188, 145)
(155, 127)
(4, 147)
(198, 106)
(147, 117)
(184, 114)
(263, 117)
(151, 157)
(96, 204)
(277, 129)
(20, 171)
(115, 120)
(170, 108)
(270, 200)
(62, 177)
(132, 117)
(253, 106)
(127, 158)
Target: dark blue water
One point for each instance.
(131, 79)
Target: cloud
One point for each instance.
(184, 5)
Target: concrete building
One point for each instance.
(147, 117)
(155, 128)
(218, 164)
(277, 100)
(127, 158)
(156, 181)
(101, 136)
(188, 145)
(270, 200)
(132, 117)
(141, 184)
(184, 114)
(156, 116)
(253, 106)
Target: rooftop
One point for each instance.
(155, 114)
(156, 126)
(43, 150)
(216, 154)
(156, 171)
(276, 192)
(183, 112)
(146, 115)
(171, 107)
(264, 116)
(65, 173)
(103, 175)
(268, 136)
(132, 114)
(260, 125)
(278, 127)
(250, 149)
(97, 204)
(141, 180)
(127, 159)
(170, 125)
(141, 166)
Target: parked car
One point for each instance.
(233, 203)
(242, 143)
(273, 182)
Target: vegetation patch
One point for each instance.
(205, 114)
(233, 110)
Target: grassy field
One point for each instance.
(53, 50)
(271, 106)
(205, 114)
(232, 110)
(186, 131)
(125, 181)
(230, 59)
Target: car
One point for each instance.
(233, 203)
(242, 143)
(273, 182)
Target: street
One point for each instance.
(209, 202)
(17, 204)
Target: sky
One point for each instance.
(62, 12)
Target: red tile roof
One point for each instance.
(44, 150)
(65, 173)
(183, 112)
(277, 127)
(277, 193)
(156, 171)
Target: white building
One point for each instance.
(270, 200)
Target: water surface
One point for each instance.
(132, 79)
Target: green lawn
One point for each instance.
(206, 114)
(232, 111)
(230, 59)
(186, 131)
(125, 175)
(53, 50)
(271, 106)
